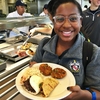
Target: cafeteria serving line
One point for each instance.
(10, 63)
(8, 77)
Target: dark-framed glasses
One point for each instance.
(60, 19)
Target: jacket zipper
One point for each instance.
(93, 14)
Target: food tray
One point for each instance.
(11, 53)
(15, 39)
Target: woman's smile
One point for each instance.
(67, 33)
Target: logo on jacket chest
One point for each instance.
(74, 66)
(98, 15)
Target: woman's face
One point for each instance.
(67, 28)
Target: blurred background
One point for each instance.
(33, 6)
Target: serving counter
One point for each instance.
(8, 90)
(10, 23)
(14, 64)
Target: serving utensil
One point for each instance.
(26, 40)
(18, 32)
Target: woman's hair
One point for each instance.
(54, 4)
(50, 4)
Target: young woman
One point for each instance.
(66, 47)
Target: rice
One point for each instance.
(29, 72)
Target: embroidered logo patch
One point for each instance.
(74, 66)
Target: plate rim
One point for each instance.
(48, 98)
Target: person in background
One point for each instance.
(91, 22)
(50, 14)
(48, 29)
(20, 12)
(45, 11)
(65, 48)
(45, 29)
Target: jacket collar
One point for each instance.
(77, 46)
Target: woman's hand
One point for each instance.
(78, 94)
(32, 63)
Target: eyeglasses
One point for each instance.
(61, 19)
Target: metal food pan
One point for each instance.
(15, 39)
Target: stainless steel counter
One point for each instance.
(23, 21)
(8, 90)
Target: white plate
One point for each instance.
(28, 53)
(58, 93)
(33, 48)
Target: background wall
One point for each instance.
(4, 6)
(34, 6)
(41, 4)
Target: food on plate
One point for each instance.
(30, 52)
(45, 69)
(48, 86)
(29, 72)
(33, 84)
(58, 73)
(26, 46)
(36, 85)
(31, 80)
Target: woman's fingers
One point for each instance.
(32, 63)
